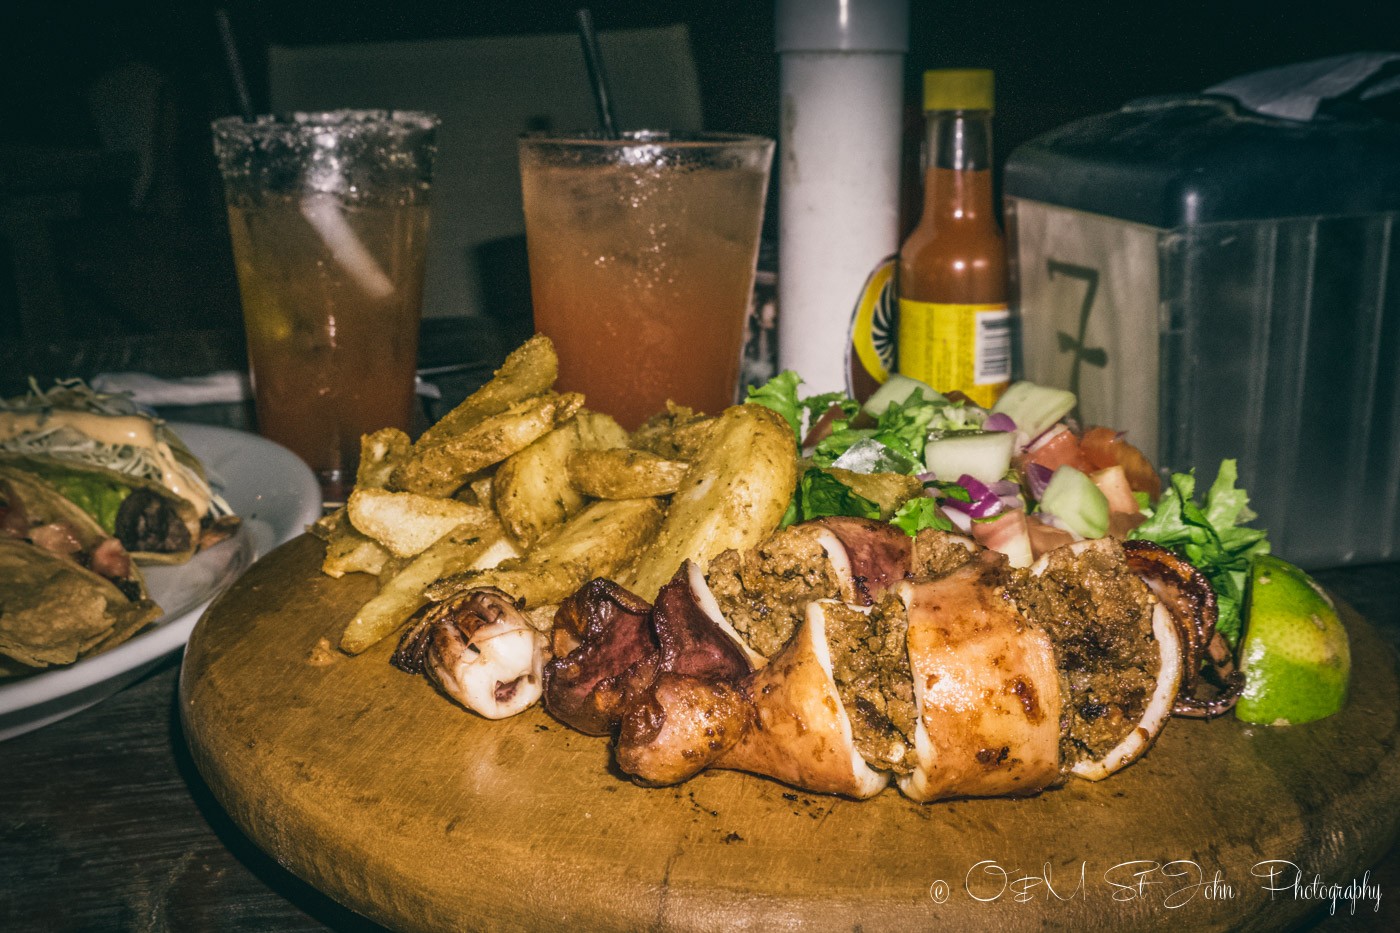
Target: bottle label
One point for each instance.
(870, 343)
(951, 347)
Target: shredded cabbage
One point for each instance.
(64, 443)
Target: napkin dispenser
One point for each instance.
(1226, 284)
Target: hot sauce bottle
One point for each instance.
(954, 326)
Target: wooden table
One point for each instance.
(105, 825)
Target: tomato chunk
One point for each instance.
(1105, 447)
(1058, 448)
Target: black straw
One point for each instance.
(597, 77)
(235, 65)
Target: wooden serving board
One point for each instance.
(376, 789)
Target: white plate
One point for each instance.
(276, 495)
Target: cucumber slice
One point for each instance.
(983, 455)
(1034, 408)
(1073, 498)
(897, 390)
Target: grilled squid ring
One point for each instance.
(1191, 601)
(479, 649)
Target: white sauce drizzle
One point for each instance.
(126, 443)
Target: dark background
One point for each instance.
(166, 267)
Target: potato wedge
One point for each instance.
(440, 468)
(690, 440)
(678, 433)
(529, 370)
(733, 496)
(604, 535)
(497, 552)
(393, 567)
(887, 490)
(402, 595)
(596, 542)
(531, 489)
(624, 474)
(380, 454)
(326, 525)
(598, 431)
(408, 523)
(478, 491)
(348, 550)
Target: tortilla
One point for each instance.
(44, 505)
(40, 504)
(157, 527)
(53, 611)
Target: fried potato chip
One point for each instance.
(733, 496)
(624, 474)
(529, 370)
(348, 550)
(887, 490)
(380, 454)
(401, 595)
(596, 542)
(531, 489)
(408, 523)
(439, 469)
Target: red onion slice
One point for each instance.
(999, 421)
(974, 486)
(987, 508)
(985, 503)
(1044, 437)
(1037, 478)
(960, 519)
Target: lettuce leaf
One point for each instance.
(780, 394)
(820, 494)
(920, 513)
(1210, 536)
(903, 429)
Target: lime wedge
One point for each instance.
(1295, 656)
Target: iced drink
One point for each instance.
(332, 355)
(642, 255)
(328, 215)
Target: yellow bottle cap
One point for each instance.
(958, 89)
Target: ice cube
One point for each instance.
(868, 455)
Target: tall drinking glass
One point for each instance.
(642, 255)
(328, 214)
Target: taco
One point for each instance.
(67, 589)
(124, 468)
(154, 525)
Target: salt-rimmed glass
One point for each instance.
(328, 213)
